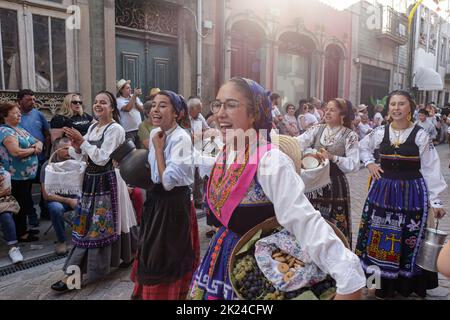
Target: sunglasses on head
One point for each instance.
(77, 102)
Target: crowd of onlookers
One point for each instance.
(293, 120)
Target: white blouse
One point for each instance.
(114, 137)
(429, 158)
(347, 164)
(179, 156)
(285, 189)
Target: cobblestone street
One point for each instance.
(34, 284)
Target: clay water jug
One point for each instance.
(133, 164)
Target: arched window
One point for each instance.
(295, 66)
(332, 73)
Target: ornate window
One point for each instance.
(152, 16)
(36, 48)
(50, 54)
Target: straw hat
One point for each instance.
(121, 83)
(154, 91)
(291, 148)
(361, 107)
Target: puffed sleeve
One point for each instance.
(431, 168)
(114, 137)
(350, 163)
(285, 189)
(369, 144)
(179, 163)
(306, 139)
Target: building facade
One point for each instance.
(380, 62)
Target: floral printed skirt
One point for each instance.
(211, 281)
(333, 202)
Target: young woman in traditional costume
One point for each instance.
(169, 250)
(404, 187)
(255, 182)
(336, 141)
(104, 228)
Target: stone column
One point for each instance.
(110, 45)
(84, 55)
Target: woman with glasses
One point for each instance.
(168, 247)
(71, 115)
(405, 185)
(251, 181)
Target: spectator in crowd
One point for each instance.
(130, 107)
(146, 126)
(198, 127)
(444, 127)
(198, 122)
(318, 112)
(433, 119)
(424, 123)
(378, 117)
(362, 108)
(34, 122)
(71, 115)
(57, 204)
(276, 113)
(289, 120)
(18, 154)
(211, 120)
(446, 110)
(9, 207)
(151, 95)
(307, 119)
(364, 127)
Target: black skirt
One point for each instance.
(165, 249)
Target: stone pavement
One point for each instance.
(34, 284)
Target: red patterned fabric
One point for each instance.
(138, 203)
(177, 290)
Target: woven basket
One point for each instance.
(266, 226)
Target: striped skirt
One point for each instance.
(392, 228)
(211, 281)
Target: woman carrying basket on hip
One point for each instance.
(104, 228)
(252, 182)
